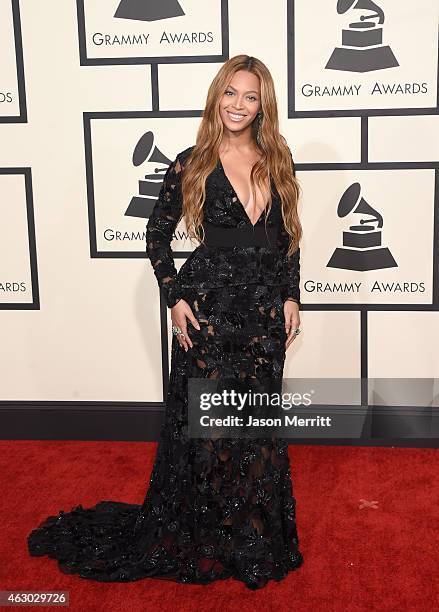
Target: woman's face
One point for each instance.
(241, 101)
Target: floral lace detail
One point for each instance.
(214, 508)
(206, 267)
(160, 229)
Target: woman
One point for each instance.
(215, 508)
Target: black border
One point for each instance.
(35, 304)
(173, 59)
(434, 306)
(357, 112)
(88, 117)
(22, 117)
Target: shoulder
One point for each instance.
(183, 155)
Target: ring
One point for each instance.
(296, 331)
(176, 330)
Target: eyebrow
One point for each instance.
(251, 90)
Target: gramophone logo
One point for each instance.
(141, 205)
(148, 10)
(362, 245)
(362, 47)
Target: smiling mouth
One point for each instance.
(236, 116)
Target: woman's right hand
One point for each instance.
(180, 313)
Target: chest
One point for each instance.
(223, 206)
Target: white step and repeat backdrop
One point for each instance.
(96, 98)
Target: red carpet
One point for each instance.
(358, 555)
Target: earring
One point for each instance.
(258, 133)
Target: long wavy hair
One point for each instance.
(275, 161)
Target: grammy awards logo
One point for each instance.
(148, 10)
(362, 249)
(149, 188)
(363, 49)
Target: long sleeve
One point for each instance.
(159, 233)
(292, 263)
(291, 288)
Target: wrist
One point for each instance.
(291, 294)
(173, 294)
(291, 300)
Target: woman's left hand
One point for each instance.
(292, 320)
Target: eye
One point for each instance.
(229, 92)
(253, 98)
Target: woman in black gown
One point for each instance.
(215, 508)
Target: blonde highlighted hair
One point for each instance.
(275, 162)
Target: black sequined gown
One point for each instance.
(214, 508)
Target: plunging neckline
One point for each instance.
(237, 197)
